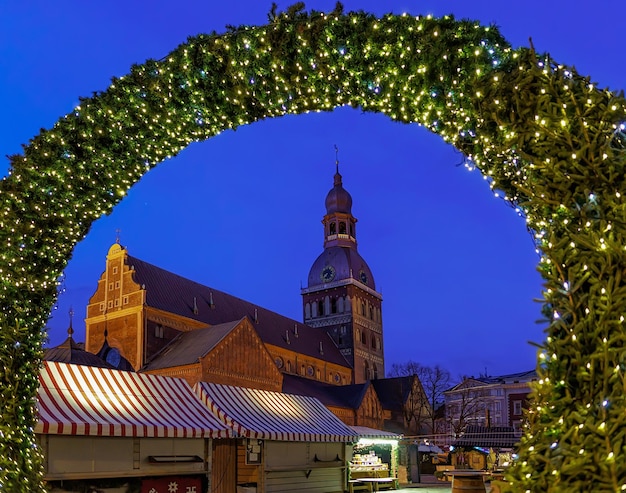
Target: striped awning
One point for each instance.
(365, 432)
(85, 400)
(267, 415)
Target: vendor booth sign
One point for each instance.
(172, 484)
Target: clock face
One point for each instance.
(328, 273)
(363, 277)
(279, 362)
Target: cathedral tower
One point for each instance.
(340, 296)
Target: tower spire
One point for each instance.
(337, 175)
(70, 329)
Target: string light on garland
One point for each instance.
(547, 140)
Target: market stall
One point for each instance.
(375, 457)
(286, 442)
(98, 425)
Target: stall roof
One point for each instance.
(267, 415)
(482, 436)
(84, 400)
(365, 432)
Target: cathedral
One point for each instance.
(153, 320)
(143, 318)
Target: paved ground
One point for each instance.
(430, 484)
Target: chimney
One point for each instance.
(287, 336)
(195, 306)
(295, 330)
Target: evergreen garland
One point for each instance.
(549, 141)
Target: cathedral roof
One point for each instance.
(348, 396)
(188, 347)
(176, 294)
(393, 392)
(338, 198)
(72, 352)
(347, 264)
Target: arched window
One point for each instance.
(333, 305)
(366, 371)
(364, 338)
(342, 228)
(320, 307)
(362, 308)
(289, 366)
(375, 368)
(374, 342)
(333, 228)
(371, 313)
(307, 311)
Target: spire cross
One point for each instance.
(117, 235)
(336, 158)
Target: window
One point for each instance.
(366, 371)
(125, 300)
(110, 286)
(320, 308)
(333, 228)
(117, 302)
(110, 304)
(117, 285)
(373, 342)
(114, 270)
(342, 228)
(363, 338)
(101, 307)
(158, 331)
(517, 407)
(333, 305)
(375, 371)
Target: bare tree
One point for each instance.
(427, 397)
(435, 381)
(466, 404)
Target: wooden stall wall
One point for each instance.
(304, 467)
(84, 457)
(248, 470)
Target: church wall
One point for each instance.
(309, 367)
(241, 359)
(370, 412)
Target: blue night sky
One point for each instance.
(242, 212)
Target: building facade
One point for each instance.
(488, 402)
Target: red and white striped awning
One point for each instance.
(262, 414)
(84, 400)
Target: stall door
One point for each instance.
(224, 470)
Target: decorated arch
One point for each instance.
(547, 139)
